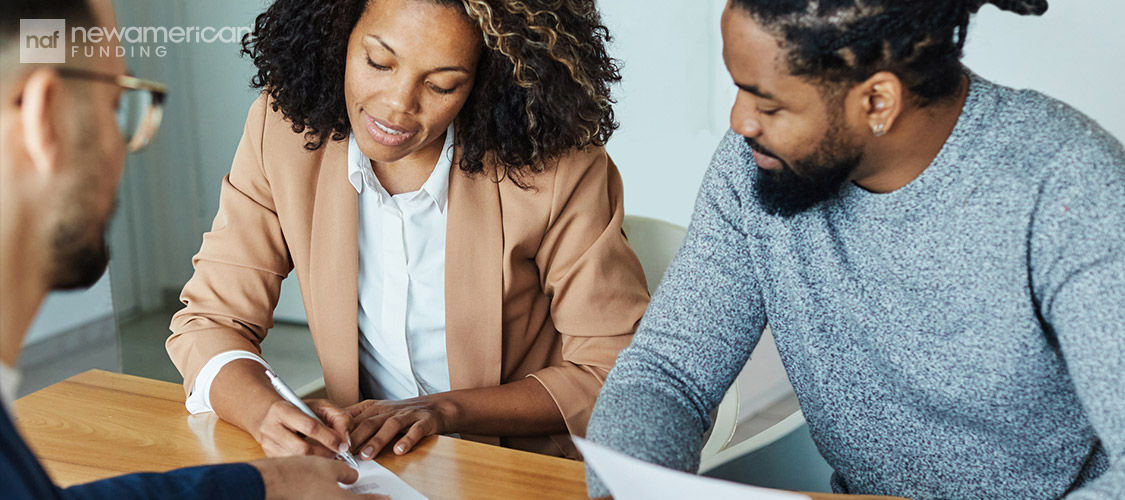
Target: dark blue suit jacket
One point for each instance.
(21, 477)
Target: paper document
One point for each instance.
(374, 478)
(630, 479)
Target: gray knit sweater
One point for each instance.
(962, 337)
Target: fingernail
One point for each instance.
(368, 451)
(400, 448)
(343, 448)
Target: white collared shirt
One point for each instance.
(402, 281)
(401, 285)
(9, 385)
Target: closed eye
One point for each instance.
(379, 67)
(441, 90)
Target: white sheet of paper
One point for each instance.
(630, 479)
(374, 478)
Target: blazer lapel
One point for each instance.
(474, 251)
(333, 276)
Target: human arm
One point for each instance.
(269, 479)
(219, 482)
(698, 332)
(229, 308)
(281, 429)
(1078, 278)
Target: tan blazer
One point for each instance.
(539, 283)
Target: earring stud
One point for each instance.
(879, 130)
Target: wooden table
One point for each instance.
(100, 424)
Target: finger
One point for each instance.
(366, 429)
(344, 473)
(386, 433)
(417, 431)
(296, 421)
(336, 418)
(355, 410)
(271, 449)
(284, 442)
(318, 450)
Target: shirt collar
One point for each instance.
(9, 384)
(436, 186)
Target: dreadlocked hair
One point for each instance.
(542, 86)
(844, 42)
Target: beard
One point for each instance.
(810, 181)
(80, 252)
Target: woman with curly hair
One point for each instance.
(434, 172)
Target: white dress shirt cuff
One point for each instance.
(200, 399)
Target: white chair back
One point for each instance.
(655, 243)
(783, 456)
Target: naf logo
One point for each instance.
(43, 41)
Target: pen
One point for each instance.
(292, 398)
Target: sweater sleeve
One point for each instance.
(696, 335)
(1078, 280)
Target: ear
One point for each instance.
(38, 102)
(882, 100)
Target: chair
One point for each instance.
(656, 242)
(783, 456)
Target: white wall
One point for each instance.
(1073, 53)
(673, 104)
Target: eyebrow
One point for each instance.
(435, 70)
(756, 91)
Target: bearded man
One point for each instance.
(941, 261)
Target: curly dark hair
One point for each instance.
(844, 42)
(542, 85)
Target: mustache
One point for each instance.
(758, 147)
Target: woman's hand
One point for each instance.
(242, 395)
(520, 408)
(377, 423)
(284, 430)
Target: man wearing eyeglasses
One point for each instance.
(64, 133)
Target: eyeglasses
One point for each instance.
(138, 111)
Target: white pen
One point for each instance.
(292, 398)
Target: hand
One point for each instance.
(285, 431)
(378, 422)
(308, 477)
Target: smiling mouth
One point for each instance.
(385, 133)
(388, 129)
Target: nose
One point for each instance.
(402, 96)
(743, 119)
